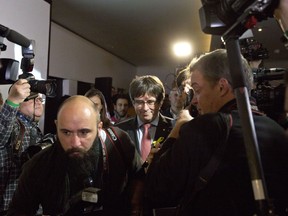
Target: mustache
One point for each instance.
(71, 151)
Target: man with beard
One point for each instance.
(121, 104)
(57, 176)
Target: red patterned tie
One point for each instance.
(145, 142)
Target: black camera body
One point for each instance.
(253, 50)
(86, 202)
(46, 87)
(217, 16)
(270, 91)
(46, 141)
(9, 72)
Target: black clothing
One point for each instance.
(167, 112)
(46, 179)
(130, 126)
(172, 174)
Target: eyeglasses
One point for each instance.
(39, 99)
(140, 103)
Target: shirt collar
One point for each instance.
(24, 118)
(154, 122)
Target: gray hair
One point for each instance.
(214, 66)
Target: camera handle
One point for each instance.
(247, 122)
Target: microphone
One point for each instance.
(14, 36)
(272, 70)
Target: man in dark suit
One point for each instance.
(203, 164)
(147, 94)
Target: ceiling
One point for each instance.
(142, 32)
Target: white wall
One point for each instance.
(30, 18)
(74, 58)
(165, 74)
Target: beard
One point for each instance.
(81, 166)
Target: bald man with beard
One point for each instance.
(57, 175)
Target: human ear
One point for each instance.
(224, 86)
(100, 125)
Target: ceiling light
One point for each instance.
(182, 49)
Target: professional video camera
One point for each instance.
(270, 92)
(217, 16)
(253, 50)
(9, 67)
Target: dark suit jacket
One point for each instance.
(174, 170)
(130, 126)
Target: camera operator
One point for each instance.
(18, 130)
(204, 164)
(76, 165)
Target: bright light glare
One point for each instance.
(182, 49)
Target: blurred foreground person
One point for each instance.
(212, 145)
(78, 164)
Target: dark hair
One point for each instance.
(148, 84)
(103, 112)
(121, 96)
(182, 76)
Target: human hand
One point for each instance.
(19, 91)
(281, 14)
(183, 117)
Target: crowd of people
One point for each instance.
(153, 163)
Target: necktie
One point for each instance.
(145, 142)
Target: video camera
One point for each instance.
(9, 67)
(217, 16)
(253, 50)
(270, 92)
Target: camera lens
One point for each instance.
(46, 87)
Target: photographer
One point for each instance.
(18, 130)
(77, 165)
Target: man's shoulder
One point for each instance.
(165, 119)
(127, 123)
(166, 112)
(43, 158)
(210, 120)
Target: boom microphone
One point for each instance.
(14, 36)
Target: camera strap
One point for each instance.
(19, 139)
(114, 139)
(207, 172)
(16, 147)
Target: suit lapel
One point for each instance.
(163, 129)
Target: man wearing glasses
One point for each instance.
(19, 117)
(148, 128)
